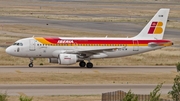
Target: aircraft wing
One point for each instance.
(90, 52)
(85, 52)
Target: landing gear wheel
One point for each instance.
(89, 65)
(82, 64)
(30, 65)
(31, 62)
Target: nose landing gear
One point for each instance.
(30, 65)
(31, 62)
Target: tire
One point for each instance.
(31, 65)
(89, 65)
(82, 64)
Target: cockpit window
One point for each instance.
(18, 44)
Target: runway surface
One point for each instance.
(68, 89)
(100, 69)
(131, 29)
(82, 89)
(73, 25)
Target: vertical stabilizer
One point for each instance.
(156, 26)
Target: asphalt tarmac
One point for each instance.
(100, 69)
(125, 28)
(81, 89)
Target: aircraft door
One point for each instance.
(32, 45)
(43, 50)
(135, 45)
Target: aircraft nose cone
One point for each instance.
(8, 50)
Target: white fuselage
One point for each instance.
(34, 49)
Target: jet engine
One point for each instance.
(67, 59)
(53, 60)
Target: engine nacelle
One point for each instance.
(67, 59)
(53, 60)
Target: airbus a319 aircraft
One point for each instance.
(67, 51)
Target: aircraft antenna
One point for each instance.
(155, 38)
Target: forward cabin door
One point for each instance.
(43, 50)
(32, 45)
(135, 45)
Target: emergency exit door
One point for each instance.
(135, 45)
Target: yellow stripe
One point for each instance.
(137, 45)
(42, 40)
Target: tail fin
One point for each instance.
(156, 26)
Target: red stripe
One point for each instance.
(84, 41)
(117, 41)
(52, 40)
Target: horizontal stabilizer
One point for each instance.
(154, 44)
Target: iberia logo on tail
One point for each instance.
(156, 28)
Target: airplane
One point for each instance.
(68, 50)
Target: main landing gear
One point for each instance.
(83, 64)
(89, 65)
(31, 62)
